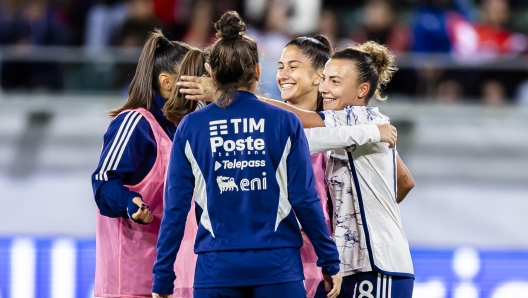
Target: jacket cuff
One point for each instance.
(331, 270)
(373, 130)
(160, 289)
(131, 207)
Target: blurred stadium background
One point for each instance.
(459, 101)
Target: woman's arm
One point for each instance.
(200, 88)
(405, 181)
(308, 119)
(322, 139)
(120, 159)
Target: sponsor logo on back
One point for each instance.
(229, 184)
(219, 129)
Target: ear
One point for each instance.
(257, 72)
(319, 79)
(363, 90)
(165, 81)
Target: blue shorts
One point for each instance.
(290, 289)
(372, 285)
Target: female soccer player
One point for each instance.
(175, 109)
(301, 65)
(248, 171)
(299, 74)
(374, 252)
(129, 179)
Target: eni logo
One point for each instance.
(226, 183)
(229, 184)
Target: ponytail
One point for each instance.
(158, 55)
(177, 106)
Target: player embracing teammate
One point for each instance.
(248, 167)
(367, 181)
(248, 238)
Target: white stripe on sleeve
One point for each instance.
(200, 189)
(284, 207)
(121, 143)
(129, 133)
(118, 135)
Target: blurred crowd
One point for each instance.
(470, 31)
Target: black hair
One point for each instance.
(318, 49)
(233, 58)
(159, 55)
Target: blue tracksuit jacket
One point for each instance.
(130, 149)
(249, 169)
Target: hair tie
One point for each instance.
(164, 41)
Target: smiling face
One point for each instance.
(297, 79)
(340, 86)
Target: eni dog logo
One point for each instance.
(226, 183)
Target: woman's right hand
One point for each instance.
(388, 134)
(332, 284)
(156, 295)
(197, 88)
(143, 215)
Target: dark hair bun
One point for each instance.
(230, 26)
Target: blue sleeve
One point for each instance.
(129, 146)
(179, 187)
(305, 201)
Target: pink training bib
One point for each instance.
(312, 274)
(126, 251)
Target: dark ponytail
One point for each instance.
(159, 55)
(177, 106)
(234, 57)
(318, 49)
(374, 64)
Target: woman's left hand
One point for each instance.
(197, 88)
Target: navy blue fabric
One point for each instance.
(138, 156)
(431, 31)
(238, 151)
(290, 290)
(367, 283)
(322, 115)
(265, 266)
